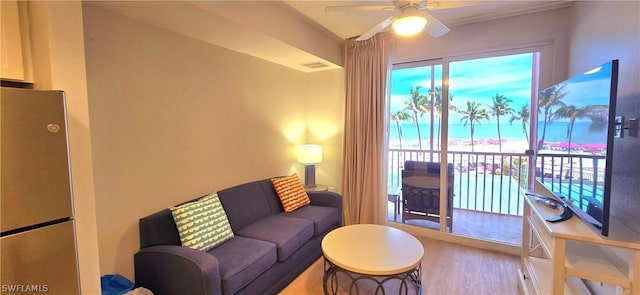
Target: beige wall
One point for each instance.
(58, 63)
(282, 22)
(174, 118)
(325, 124)
(605, 30)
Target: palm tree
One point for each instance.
(400, 116)
(573, 113)
(523, 116)
(500, 107)
(472, 115)
(547, 99)
(417, 104)
(437, 97)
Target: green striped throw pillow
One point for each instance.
(202, 224)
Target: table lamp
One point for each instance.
(309, 155)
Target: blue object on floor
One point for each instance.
(115, 285)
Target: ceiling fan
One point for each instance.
(410, 20)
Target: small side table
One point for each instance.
(317, 188)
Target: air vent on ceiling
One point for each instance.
(315, 65)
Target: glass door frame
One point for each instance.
(539, 50)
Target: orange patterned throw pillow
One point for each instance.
(291, 192)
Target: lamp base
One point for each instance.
(309, 175)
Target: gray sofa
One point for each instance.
(269, 250)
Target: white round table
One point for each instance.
(372, 252)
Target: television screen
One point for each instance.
(576, 125)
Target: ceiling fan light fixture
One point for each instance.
(409, 23)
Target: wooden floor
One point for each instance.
(446, 269)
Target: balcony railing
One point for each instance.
(487, 182)
(493, 182)
(575, 176)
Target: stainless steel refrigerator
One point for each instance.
(37, 224)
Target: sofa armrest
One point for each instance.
(325, 198)
(170, 269)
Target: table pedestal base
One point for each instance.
(404, 282)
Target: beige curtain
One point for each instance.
(364, 173)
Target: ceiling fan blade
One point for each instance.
(379, 27)
(360, 8)
(435, 27)
(449, 4)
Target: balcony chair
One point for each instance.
(421, 192)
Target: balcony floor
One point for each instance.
(482, 225)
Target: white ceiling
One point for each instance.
(273, 30)
(347, 24)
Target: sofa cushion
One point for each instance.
(241, 260)
(202, 224)
(286, 232)
(323, 218)
(291, 192)
(249, 202)
(158, 229)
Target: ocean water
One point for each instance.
(583, 132)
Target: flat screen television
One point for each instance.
(573, 157)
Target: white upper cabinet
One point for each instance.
(11, 57)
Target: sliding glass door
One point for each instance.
(415, 121)
(485, 135)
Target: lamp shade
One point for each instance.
(310, 153)
(409, 23)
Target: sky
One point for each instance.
(479, 80)
(590, 88)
